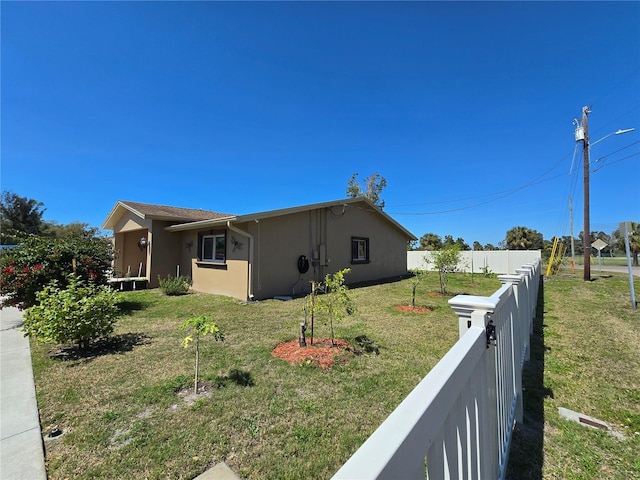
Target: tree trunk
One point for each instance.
(195, 388)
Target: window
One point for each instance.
(359, 250)
(213, 248)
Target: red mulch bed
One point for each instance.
(409, 308)
(321, 353)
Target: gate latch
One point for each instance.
(491, 334)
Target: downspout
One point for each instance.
(250, 237)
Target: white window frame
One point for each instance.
(215, 239)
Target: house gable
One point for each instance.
(147, 211)
(130, 222)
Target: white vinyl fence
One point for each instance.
(496, 261)
(457, 423)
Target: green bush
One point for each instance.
(174, 285)
(78, 313)
(34, 264)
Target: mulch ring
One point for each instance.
(409, 308)
(321, 353)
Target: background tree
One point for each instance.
(477, 246)
(523, 238)
(462, 245)
(448, 241)
(606, 251)
(19, 217)
(73, 229)
(490, 246)
(459, 242)
(566, 241)
(617, 239)
(430, 241)
(579, 242)
(373, 186)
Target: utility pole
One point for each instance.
(582, 135)
(587, 232)
(573, 250)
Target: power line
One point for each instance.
(502, 194)
(615, 161)
(619, 150)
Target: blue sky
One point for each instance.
(241, 107)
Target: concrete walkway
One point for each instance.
(21, 449)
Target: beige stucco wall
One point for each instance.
(165, 252)
(128, 256)
(130, 222)
(281, 240)
(278, 242)
(160, 257)
(230, 278)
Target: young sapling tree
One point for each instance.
(335, 302)
(418, 276)
(202, 325)
(446, 261)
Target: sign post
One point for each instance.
(624, 230)
(599, 244)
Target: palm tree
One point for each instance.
(523, 238)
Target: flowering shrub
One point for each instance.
(78, 313)
(31, 266)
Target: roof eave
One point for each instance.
(212, 222)
(285, 211)
(110, 221)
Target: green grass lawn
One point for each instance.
(585, 357)
(123, 417)
(620, 260)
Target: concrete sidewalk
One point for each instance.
(21, 448)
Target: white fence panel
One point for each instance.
(497, 261)
(425, 426)
(457, 423)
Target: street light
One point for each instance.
(582, 135)
(617, 132)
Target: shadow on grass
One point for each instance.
(241, 378)
(116, 344)
(366, 345)
(128, 307)
(381, 281)
(526, 456)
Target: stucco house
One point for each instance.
(259, 255)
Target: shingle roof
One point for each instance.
(364, 203)
(159, 212)
(148, 210)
